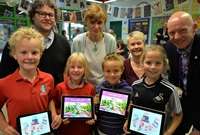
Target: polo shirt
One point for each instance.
(23, 97)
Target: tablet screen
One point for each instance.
(114, 102)
(146, 121)
(34, 124)
(77, 107)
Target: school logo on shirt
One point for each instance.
(43, 90)
(159, 98)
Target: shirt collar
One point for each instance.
(72, 86)
(186, 51)
(18, 77)
(49, 39)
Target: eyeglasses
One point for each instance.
(42, 14)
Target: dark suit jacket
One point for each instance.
(193, 78)
(162, 36)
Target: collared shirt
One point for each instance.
(184, 60)
(32, 97)
(162, 41)
(49, 40)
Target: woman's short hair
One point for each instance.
(95, 12)
(137, 35)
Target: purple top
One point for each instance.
(129, 75)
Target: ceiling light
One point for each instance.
(109, 1)
(95, 1)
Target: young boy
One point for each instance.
(113, 67)
(29, 90)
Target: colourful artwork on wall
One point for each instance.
(157, 23)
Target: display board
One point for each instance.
(157, 23)
(141, 25)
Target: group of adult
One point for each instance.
(182, 49)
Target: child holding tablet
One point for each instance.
(113, 67)
(153, 91)
(28, 90)
(76, 71)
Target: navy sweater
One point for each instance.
(108, 124)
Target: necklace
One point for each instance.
(138, 67)
(95, 44)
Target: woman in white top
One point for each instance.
(94, 44)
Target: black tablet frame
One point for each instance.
(146, 111)
(78, 99)
(35, 116)
(114, 92)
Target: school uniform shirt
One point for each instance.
(23, 97)
(75, 127)
(53, 60)
(156, 95)
(109, 124)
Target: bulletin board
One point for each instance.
(157, 22)
(196, 18)
(141, 25)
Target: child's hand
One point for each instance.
(194, 132)
(129, 107)
(66, 121)
(125, 127)
(10, 131)
(96, 99)
(92, 121)
(56, 122)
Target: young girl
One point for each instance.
(74, 84)
(113, 67)
(28, 90)
(153, 91)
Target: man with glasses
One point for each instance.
(43, 14)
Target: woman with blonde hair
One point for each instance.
(132, 66)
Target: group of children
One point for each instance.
(33, 91)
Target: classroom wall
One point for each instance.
(191, 6)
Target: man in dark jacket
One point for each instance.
(43, 14)
(162, 35)
(184, 60)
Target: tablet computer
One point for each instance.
(77, 107)
(114, 102)
(145, 121)
(34, 124)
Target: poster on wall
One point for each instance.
(169, 4)
(157, 8)
(196, 18)
(24, 5)
(141, 25)
(147, 10)
(6, 29)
